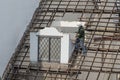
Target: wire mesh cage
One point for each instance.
(49, 49)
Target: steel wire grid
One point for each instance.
(102, 62)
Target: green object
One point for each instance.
(81, 32)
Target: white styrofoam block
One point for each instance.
(64, 48)
(33, 47)
(71, 47)
(65, 41)
(67, 23)
(67, 46)
(67, 26)
(52, 32)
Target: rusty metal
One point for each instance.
(102, 41)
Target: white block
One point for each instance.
(67, 26)
(49, 32)
(64, 49)
(33, 47)
(71, 47)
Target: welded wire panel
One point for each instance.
(44, 49)
(55, 49)
(102, 32)
(49, 49)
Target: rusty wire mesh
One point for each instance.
(102, 62)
